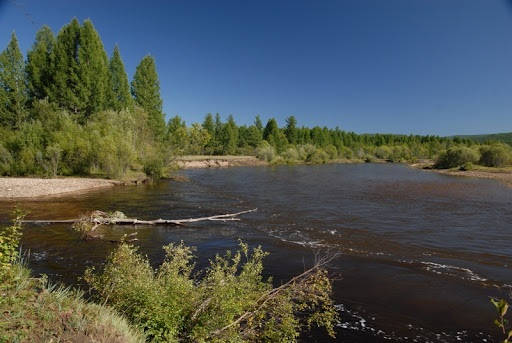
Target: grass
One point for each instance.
(32, 310)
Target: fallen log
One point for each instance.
(118, 218)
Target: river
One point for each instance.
(420, 252)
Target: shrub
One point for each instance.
(231, 303)
(265, 152)
(318, 157)
(305, 151)
(6, 161)
(456, 157)
(496, 155)
(383, 152)
(346, 152)
(331, 151)
(9, 241)
(290, 155)
(35, 311)
(400, 153)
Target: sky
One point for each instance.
(391, 66)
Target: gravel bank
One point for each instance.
(14, 188)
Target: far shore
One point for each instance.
(503, 175)
(206, 161)
(18, 188)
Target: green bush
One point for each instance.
(497, 155)
(456, 157)
(305, 151)
(290, 155)
(318, 157)
(331, 151)
(9, 241)
(265, 152)
(346, 152)
(383, 152)
(6, 161)
(232, 302)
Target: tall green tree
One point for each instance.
(229, 137)
(274, 136)
(291, 129)
(13, 94)
(66, 71)
(146, 92)
(119, 92)
(258, 124)
(39, 67)
(93, 71)
(209, 126)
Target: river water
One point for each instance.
(420, 253)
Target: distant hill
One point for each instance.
(494, 137)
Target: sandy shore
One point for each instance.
(501, 174)
(193, 162)
(15, 188)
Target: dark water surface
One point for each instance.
(420, 252)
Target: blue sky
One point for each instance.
(396, 66)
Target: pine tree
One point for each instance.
(92, 72)
(39, 67)
(216, 142)
(208, 124)
(271, 130)
(119, 92)
(146, 92)
(291, 129)
(66, 78)
(274, 136)
(258, 124)
(13, 93)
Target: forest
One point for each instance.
(69, 109)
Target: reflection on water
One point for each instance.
(421, 252)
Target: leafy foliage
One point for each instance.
(501, 322)
(231, 302)
(496, 155)
(33, 310)
(456, 157)
(9, 242)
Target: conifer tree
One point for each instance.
(13, 94)
(93, 71)
(66, 78)
(208, 124)
(258, 124)
(291, 129)
(119, 96)
(39, 67)
(146, 92)
(216, 141)
(274, 136)
(230, 136)
(271, 130)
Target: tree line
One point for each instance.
(69, 109)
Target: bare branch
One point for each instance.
(320, 262)
(103, 219)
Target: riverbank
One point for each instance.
(202, 161)
(24, 187)
(503, 175)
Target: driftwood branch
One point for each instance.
(100, 218)
(269, 295)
